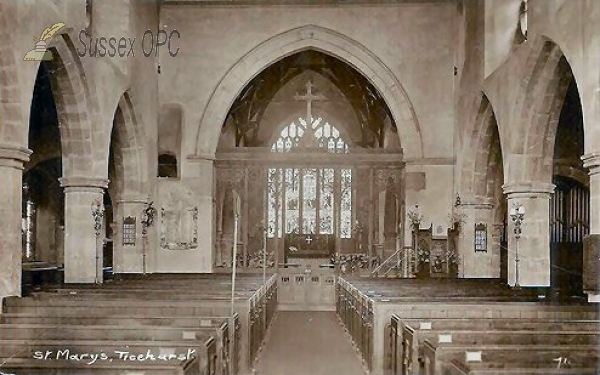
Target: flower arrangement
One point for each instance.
(414, 217)
(457, 219)
(255, 260)
(350, 262)
(423, 255)
(452, 258)
(438, 263)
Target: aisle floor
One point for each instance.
(307, 343)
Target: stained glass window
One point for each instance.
(303, 200)
(326, 201)
(346, 204)
(292, 200)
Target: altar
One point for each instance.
(309, 245)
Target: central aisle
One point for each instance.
(307, 343)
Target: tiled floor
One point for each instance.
(307, 343)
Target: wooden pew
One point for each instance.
(437, 353)
(75, 333)
(404, 349)
(366, 312)
(29, 366)
(159, 328)
(515, 362)
(256, 304)
(228, 343)
(84, 353)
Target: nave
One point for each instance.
(190, 325)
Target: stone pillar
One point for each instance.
(534, 244)
(82, 250)
(130, 258)
(592, 163)
(476, 264)
(11, 247)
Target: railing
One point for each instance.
(391, 262)
(401, 261)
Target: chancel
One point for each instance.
(282, 184)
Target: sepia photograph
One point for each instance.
(300, 187)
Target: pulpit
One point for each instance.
(435, 257)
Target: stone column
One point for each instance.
(471, 263)
(81, 243)
(130, 258)
(11, 247)
(534, 244)
(592, 163)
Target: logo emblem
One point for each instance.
(40, 53)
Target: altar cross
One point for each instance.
(309, 97)
(308, 240)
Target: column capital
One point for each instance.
(528, 190)
(13, 156)
(82, 183)
(591, 161)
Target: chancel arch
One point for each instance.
(303, 151)
(302, 39)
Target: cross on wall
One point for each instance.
(309, 98)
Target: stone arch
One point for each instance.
(478, 154)
(572, 173)
(538, 107)
(130, 154)
(76, 111)
(296, 40)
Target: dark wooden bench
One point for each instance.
(84, 353)
(31, 366)
(121, 332)
(519, 362)
(167, 301)
(365, 310)
(162, 298)
(437, 353)
(408, 335)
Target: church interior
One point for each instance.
(269, 187)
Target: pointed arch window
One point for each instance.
(310, 200)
